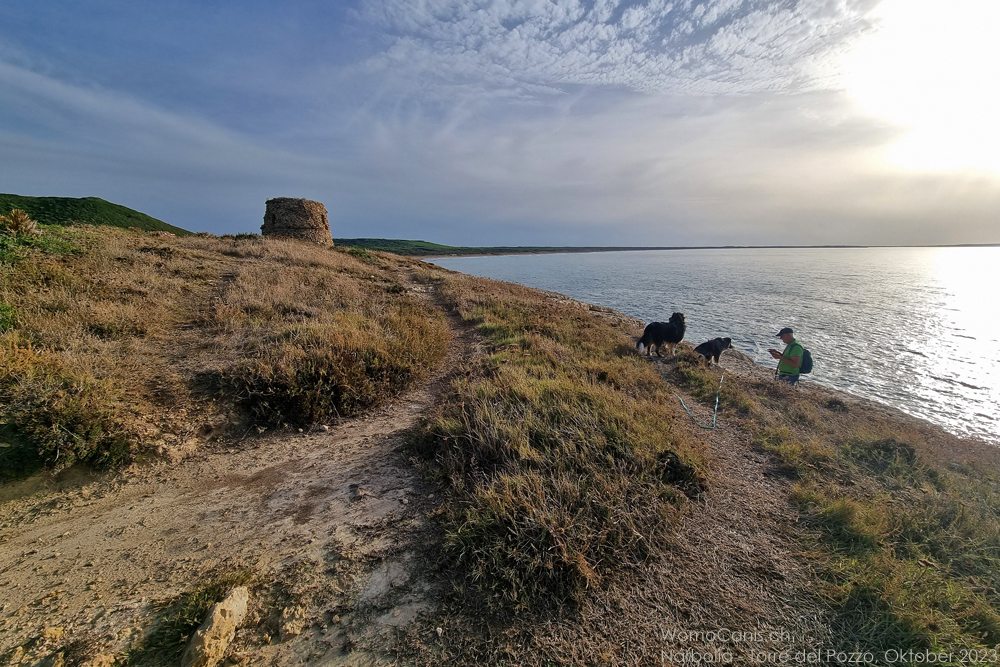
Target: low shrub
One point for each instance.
(66, 416)
(18, 457)
(317, 373)
(19, 223)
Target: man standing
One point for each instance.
(790, 359)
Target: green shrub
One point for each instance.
(66, 417)
(8, 317)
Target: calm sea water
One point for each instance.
(916, 328)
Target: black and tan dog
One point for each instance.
(712, 349)
(658, 334)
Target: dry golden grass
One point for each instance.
(177, 340)
(18, 222)
(565, 465)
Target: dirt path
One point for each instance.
(334, 519)
(734, 585)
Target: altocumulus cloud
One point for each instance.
(722, 47)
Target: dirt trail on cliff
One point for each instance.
(334, 520)
(735, 584)
(335, 523)
(732, 589)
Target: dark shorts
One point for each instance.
(790, 379)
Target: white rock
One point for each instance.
(209, 643)
(293, 621)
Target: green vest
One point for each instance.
(793, 349)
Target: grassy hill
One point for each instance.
(91, 210)
(426, 248)
(576, 514)
(96, 296)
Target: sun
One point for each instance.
(932, 67)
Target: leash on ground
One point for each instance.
(683, 405)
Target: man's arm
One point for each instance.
(794, 362)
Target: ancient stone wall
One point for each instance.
(296, 218)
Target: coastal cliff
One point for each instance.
(405, 464)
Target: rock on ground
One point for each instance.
(209, 644)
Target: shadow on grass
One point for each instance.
(179, 617)
(18, 458)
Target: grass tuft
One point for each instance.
(19, 223)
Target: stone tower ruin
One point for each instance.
(296, 218)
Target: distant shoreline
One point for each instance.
(727, 247)
(427, 250)
(504, 252)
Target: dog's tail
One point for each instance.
(639, 346)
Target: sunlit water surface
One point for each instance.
(916, 328)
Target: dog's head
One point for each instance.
(640, 347)
(677, 318)
(727, 343)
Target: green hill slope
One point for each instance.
(91, 210)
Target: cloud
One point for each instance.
(531, 49)
(596, 166)
(70, 139)
(505, 122)
(660, 169)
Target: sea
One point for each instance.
(914, 328)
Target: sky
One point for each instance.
(517, 122)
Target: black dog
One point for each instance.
(713, 348)
(659, 333)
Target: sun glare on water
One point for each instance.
(933, 67)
